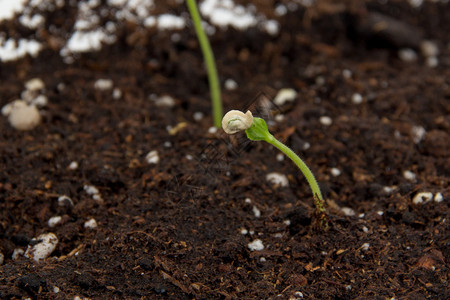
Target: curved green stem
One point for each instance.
(300, 164)
(303, 168)
(259, 131)
(208, 55)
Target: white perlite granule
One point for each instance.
(22, 116)
(335, 172)
(422, 197)
(365, 246)
(103, 84)
(64, 201)
(325, 120)
(409, 175)
(8, 9)
(230, 85)
(90, 224)
(256, 245)
(94, 192)
(357, 98)
(198, 116)
(53, 221)
(348, 211)
(73, 165)
(226, 13)
(34, 84)
(407, 55)
(152, 157)
(164, 101)
(347, 74)
(429, 49)
(17, 253)
(277, 179)
(280, 10)
(271, 27)
(418, 133)
(42, 246)
(438, 198)
(14, 49)
(212, 130)
(285, 95)
(256, 211)
(91, 190)
(168, 21)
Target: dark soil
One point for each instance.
(173, 229)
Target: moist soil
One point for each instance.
(180, 228)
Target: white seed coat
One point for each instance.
(235, 121)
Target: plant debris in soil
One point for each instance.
(123, 189)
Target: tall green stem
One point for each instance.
(213, 78)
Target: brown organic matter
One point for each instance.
(180, 228)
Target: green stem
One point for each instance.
(259, 131)
(208, 55)
(303, 168)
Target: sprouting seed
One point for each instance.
(257, 130)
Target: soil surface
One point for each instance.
(181, 227)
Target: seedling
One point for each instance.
(213, 78)
(257, 130)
